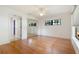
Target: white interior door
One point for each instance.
(16, 26)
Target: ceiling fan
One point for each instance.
(42, 11)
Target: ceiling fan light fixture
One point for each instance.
(42, 11)
(41, 14)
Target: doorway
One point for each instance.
(16, 28)
(31, 27)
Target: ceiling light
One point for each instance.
(41, 14)
(42, 11)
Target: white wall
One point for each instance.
(78, 29)
(62, 31)
(76, 16)
(75, 20)
(24, 27)
(5, 28)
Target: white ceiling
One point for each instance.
(49, 9)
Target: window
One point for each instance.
(53, 22)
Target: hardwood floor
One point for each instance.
(38, 45)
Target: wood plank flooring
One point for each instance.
(38, 45)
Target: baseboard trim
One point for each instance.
(54, 37)
(2, 43)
